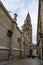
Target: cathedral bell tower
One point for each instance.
(27, 30)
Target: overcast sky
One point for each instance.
(22, 7)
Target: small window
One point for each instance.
(28, 28)
(19, 40)
(27, 21)
(24, 43)
(25, 28)
(9, 33)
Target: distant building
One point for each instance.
(27, 32)
(40, 30)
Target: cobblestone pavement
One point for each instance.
(25, 62)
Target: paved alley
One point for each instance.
(25, 62)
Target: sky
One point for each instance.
(22, 7)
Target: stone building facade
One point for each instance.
(13, 42)
(40, 30)
(5, 26)
(9, 35)
(27, 32)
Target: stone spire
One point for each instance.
(27, 23)
(28, 15)
(28, 20)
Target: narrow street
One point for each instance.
(26, 61)
(21, 32)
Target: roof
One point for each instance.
(7, 13)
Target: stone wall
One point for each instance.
(16, 41)
(9, 47)
(42, 15)
(40, 30)
(5, 25)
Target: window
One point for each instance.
(19, 40)
(28, 28)
(25, 28)
(41, 35)
(9, 33)
(24, 43)
(27, 21)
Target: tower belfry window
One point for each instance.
(27, 21)
(28, 28)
